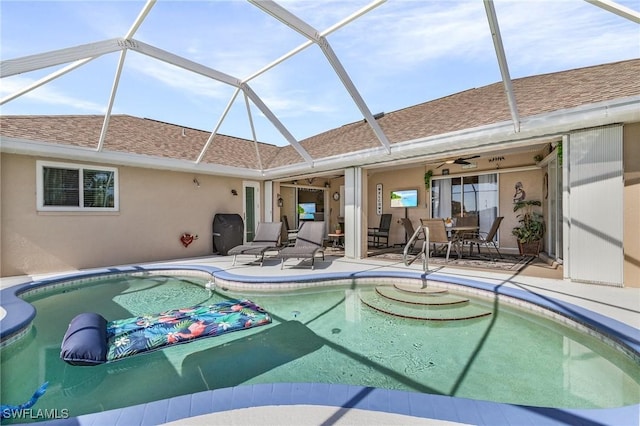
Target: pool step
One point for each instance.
(408, 288)
(420, 297)
(421, 306)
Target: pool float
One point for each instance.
(9, 411)
(92, 340)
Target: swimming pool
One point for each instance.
(322, 335)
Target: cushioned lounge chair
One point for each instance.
(267, 238)
(308, 243)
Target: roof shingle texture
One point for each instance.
(465, 110)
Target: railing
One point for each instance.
(424, 250)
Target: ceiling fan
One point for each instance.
(461, 161)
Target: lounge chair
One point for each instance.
(485, 238)
(267, 238)
(308, 243)
(382, 231)
(438, 235)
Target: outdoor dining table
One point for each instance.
(458, 233)
(337, 240)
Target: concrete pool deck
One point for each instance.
(340, 404)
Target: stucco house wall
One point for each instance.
(402, 178)
(156, 208)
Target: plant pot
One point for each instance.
(532, 249)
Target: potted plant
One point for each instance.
(427, 179)
(531, 229)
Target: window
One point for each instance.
(475, 196)
(74, 187)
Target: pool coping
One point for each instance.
(19, 315)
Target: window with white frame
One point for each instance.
(468, 195)
(76, 187)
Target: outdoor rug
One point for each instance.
(506, 263)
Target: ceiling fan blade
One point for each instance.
(440, 165)
(463, 160)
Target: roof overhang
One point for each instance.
(66, 152)
(534, 130)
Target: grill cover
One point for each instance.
(227, 232)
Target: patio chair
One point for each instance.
(309, 243)
(291, 233)
(409, 231)
(485, 238)
(438, 236)
(381, 232)
(267, 238)
(469, 220)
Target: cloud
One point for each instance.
(183, 81)
(400, 53)
(50, 95)
(540, 35)
(324, 14)
(399, 37)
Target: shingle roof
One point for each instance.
(137, 136)
(465, 110)
(487, 105)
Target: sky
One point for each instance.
(401, 53)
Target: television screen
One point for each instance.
(404, 198)
(306, 211)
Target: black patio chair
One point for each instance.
(381, 232)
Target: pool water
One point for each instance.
(319, 335)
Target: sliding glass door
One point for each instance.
(466, 196)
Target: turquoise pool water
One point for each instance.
(320, 335)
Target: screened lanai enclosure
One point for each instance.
(282, 73)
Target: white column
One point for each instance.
(268, 201)
(354, 199)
